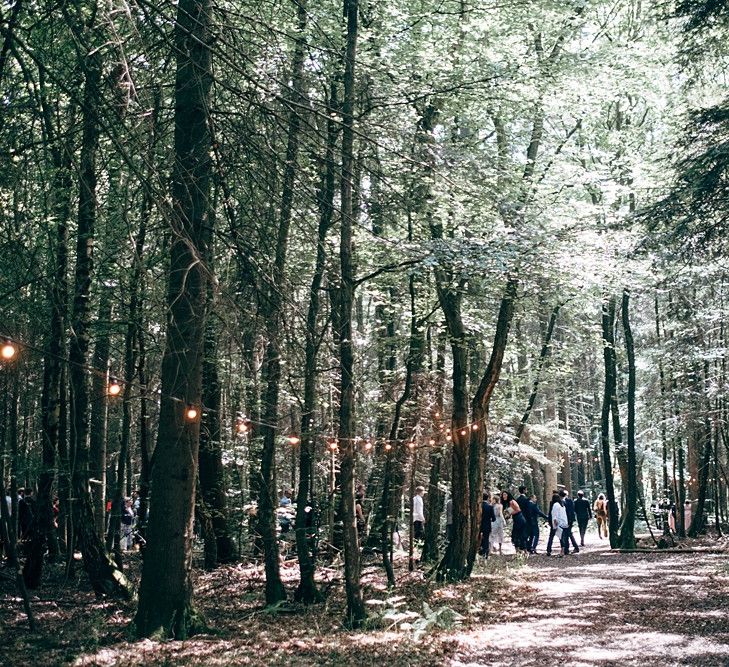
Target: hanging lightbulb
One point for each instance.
(368, 446)
(294, 440)
(114, 388)
(411, 445)
(474, 427)
(333, 445)
(437, 415)
(463, 431)
(431, 441)
(191, 413)
(8, 350)
(449, 437)
(441, 426)
(388, 447)
(241, 427)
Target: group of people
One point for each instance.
(524, 513)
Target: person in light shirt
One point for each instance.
(558, 516)
(418, 514)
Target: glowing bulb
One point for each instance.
(368, 446)
(333, 445)
(441, 426)
(114, 388)
(294, 440)
(474, 427)
(432, 441)
(411, 445)
(242, 427)
(463, 431)
(191, 413)
(437, 415)
(449, 437)
(8, 350)
(388, 447)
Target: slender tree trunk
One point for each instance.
(165, 598)
(608, 327)
(356, 613)
(307, 591)
(105, 578)
(627, 528)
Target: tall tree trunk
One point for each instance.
(165, 598)
(627, 528)
(307, 591)
(105, 578)
(608, 341)
(436, 498)
(275, 591)
(480, 413)
(699, 517)
(356, 613)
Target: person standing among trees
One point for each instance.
(511, 508)
(497, 528)
(533, 529)
(487, 518)
(558, 516)
(418, 514)
(601, 515)
(583, 513)
(569, 506)
(523, 502)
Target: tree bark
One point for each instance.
(608, 327)
(165, 598)
(627, 528)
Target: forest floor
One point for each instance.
(595, 608)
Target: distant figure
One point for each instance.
(601, 515)
(687, 516)
(534, 513)
(127, 525)
(358, 511)
(26, 514)
(418, 514)
(523, 502)
(511, 508)
(569, 506)
(497, 528)
(487, 518)
(583, 511)
(558, 515)
(285, 499)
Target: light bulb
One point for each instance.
(114, 387)
(191, 413)
(474, 427)
(388, 447)
(8, 350)
(294, 440)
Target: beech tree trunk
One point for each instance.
(627, 528)
(165, 597)
(356, 613)
(608, 327)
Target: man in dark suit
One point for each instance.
(534, 513)
(487, 516)
(583, 511)
(523, 541)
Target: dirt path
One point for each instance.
(595, 609)
(609, 609)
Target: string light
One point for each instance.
(294, 440)
(388, 446)
(8, 350)
(463, 431)
(333, 445)
(191, 413)
(431, 442)
(368, 446)
(437, 415)
(114, 388)
(241, 427)
(411, 445)
(449, 437)
(474, 427)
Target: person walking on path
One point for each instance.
(601, 515)
(558, 515)
(523, 501)
(488, 516)
(583, 511)
(569, 506)
(497, 528)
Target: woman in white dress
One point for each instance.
(497, 527)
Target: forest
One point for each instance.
(303, 303)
